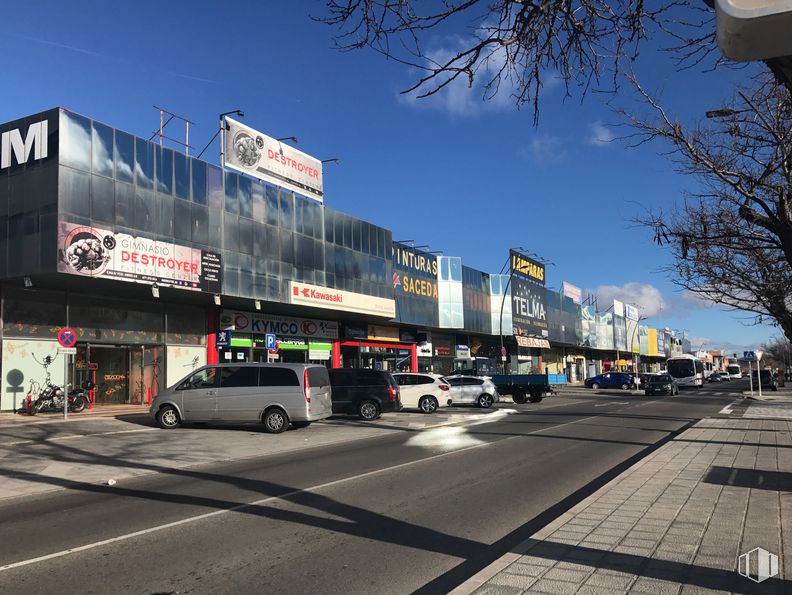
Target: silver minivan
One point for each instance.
(272, 394)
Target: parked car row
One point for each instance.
(280, 395)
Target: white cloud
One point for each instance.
(695, 300)
(599, 135)
(545, 150)
(646, 296)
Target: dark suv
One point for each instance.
(769, 380)
(362, 392)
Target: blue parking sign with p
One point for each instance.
(270, 342)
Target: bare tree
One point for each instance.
(731, 241)
(517, 44)
(777, 354)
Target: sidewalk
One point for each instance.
(675, 522)
(95, 412)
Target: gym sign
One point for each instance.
(33, 146)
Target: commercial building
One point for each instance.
(162, 262)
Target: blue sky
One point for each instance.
(467, 177)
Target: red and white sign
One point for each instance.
(96, 252)
(256, 154)
(338, 299)
(532, 342)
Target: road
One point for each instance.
(418, 510)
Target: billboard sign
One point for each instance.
(95, 252)
(261, 156)
(528, 268)
(529, 307)
(572, 291)
(28, 140)
(618, 308)
(262, 324)
(305, 294)
(631, 312)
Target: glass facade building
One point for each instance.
(152, 254)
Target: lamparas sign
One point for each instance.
(527, 267)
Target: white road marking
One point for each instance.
(728, 409)
(73, 436)
(200, 517)
(615, 403)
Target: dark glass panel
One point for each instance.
(245, 197)
(181, 168)
(124, 156)
(103, 199)
(198, 181)
(102, 149)
(182, 220)
(124, 204)
(75, 141)
(272, 205)
(144, 163)
(164, 158)
(231, 202)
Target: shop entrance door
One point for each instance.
(111, 363)
(122, 374)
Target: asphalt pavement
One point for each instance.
(410, 510)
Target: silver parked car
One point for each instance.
(273, 394)
(472, 390)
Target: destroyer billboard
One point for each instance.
(95, 252)
(256, 154)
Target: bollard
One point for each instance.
(28, 403)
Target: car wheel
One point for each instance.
(275, 421)
(625, 386)
(168, 417)
(300, 424)
(484, 401)
(535, 397)
(519, 397)
(428, 404)
(594, 385)
(368, 411)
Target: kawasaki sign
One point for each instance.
(260, 324)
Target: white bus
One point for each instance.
(687, 369)
(734, 370)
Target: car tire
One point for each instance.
(519, 397)
(428, 404)
(485, 401)
(594, 385)
(368, 411)
(625, 386)
(535, 397)
(275, 421)
(300, 424)
(168, 417)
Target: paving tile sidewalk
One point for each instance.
(675, 522)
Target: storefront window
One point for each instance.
(32, 313)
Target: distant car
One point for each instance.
(735, 372)
(363, 392)
(472, 390)
(422, 391)
(715, 377)
(662, 384)
(769, 380)
(725, 376)
(621, 380)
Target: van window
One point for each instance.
(242, 376)
(424, 380)
(371, 378)
(318, 376)
(201, 379)
(278, 377)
